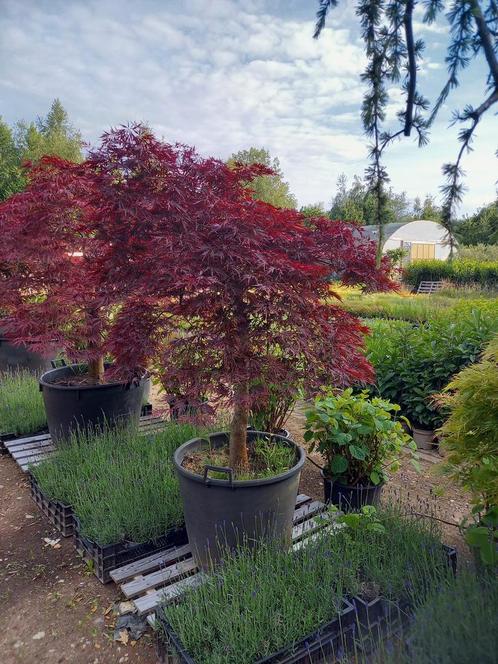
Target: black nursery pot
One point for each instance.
(20, 357)
(224, 514)
(71, 409)
(348, 498)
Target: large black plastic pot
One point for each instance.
(20, 357)
(349, 498)
(224, 514)
(88, 407)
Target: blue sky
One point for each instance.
(229, 74)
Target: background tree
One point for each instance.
(53, 135)
(392, 56)
(357, 203)
(313, 210)
(479, 228)
(11, 176)
(426, 209)
(267, 188)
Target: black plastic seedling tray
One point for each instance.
(326, 644)
(60, 516)
(105, 559)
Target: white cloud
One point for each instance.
(222, 75)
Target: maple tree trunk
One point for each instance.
(238, 428)
(96, 370)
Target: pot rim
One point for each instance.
(55, 386)
(354, 487)
(239, 484)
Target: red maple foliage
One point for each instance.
(58, 288)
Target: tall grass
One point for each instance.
(456, 624)
(260, 602)
(21, 403)
(121, 484)
(420, 308)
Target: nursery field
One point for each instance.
(50, 594)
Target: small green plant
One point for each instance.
(121, 484)
(360, 438)
(470, 438)
(21, 404)
(366, 519)
(267, 458)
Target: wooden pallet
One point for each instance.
(32, 450)
(164, 576)
(429, 287)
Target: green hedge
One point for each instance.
(413, 363)
(458, 272)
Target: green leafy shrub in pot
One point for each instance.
(470, 438)
(360, 438)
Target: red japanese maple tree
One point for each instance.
(239, 290)
(60, 287)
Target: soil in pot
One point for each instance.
(348, 498)
(73, 404)
(423, 437)
(223, 511)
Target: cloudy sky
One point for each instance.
(229, 74)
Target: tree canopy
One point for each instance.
(355, 202)
(53, 135)
(479, 228)
(267, 188)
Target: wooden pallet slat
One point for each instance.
(149, 564)
(168, 594)
(159, 578)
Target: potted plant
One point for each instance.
(361, 440)
(469, 437)
(60, 287)
(250, 293)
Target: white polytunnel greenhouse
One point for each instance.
(421, 239)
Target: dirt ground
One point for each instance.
(52, 608)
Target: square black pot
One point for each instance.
(61, 516)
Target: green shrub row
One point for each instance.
(459, 271)
(420, 308)
(414, 363)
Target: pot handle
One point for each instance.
(218, 469)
